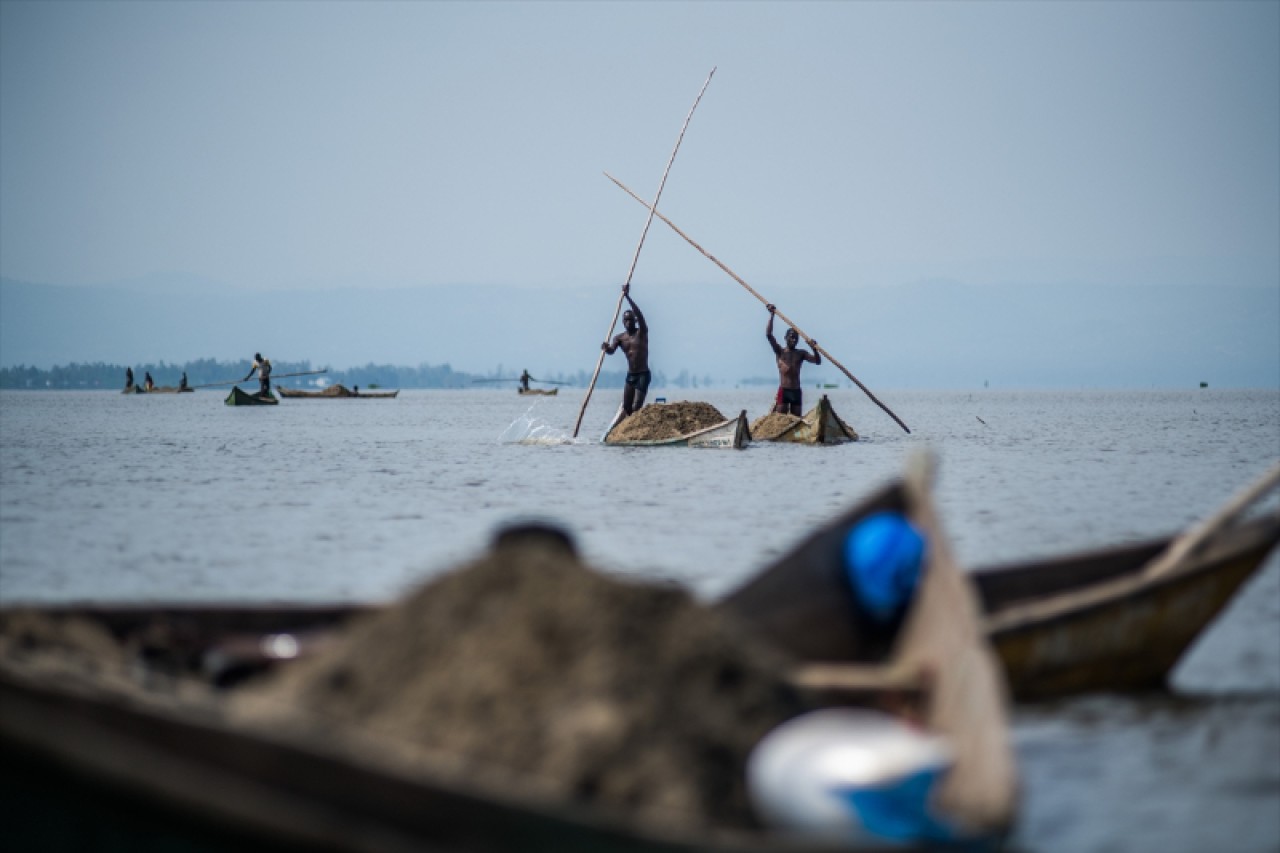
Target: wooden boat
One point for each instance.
(238, 397)
(335, 392)
(96, 761)
(133, 389)
(1119, 619)
(805, 604)
(820, 425)
(539, 391)
(731, 433)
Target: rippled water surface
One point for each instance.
(178, 497)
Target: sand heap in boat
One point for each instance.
(661, 421)
(773, 425)
(530, 670)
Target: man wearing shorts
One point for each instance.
(790, 360)
(635, 343)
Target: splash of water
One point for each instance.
(528, 429)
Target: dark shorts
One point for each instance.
(639, 381)
(787, 396)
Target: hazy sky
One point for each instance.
(313, 144)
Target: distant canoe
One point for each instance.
(158, 389)
(538, 391)
(732, 433)
(821, 425)
(244, 398)
(335, 392)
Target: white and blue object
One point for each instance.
(884, 558)
(851, 775)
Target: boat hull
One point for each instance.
(732, 434)
(820, 425)
(335, 392)
(538, 392)
(238, 397)
(1095, 622)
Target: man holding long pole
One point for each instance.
(634, 342)
(790, 399)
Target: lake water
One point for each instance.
(107, 497)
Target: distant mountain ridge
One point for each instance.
(928, 335)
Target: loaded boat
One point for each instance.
(335, 392)
(238, 397)
(95, 759)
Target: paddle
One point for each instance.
(785, 319)
(636, 257)
(273, 376)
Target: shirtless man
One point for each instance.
(262, 367)
(790, 360)
(635, 343)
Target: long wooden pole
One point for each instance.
(274, 376)
(752, 291)
(636, 257)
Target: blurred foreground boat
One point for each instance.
(1120, 619)
(85, 761)
(244, 398)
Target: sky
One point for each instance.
(249, 147)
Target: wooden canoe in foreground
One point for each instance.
(820, 425)
(93, 762)
(335, 392)
(804, 604)
(731, 433)
(238, 397)
(1120, 619)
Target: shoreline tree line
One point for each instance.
(111, 377)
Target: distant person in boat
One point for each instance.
(128, 378)
(524, 380)
(635, 343)
(182, 384)
(147, 382)
(262, 367)
(355, 390)
(790, 360)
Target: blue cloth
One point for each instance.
(884, 557)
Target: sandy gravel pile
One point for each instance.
(660, 421)
(530, 667)
(772, 425)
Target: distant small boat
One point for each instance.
(168, 389)
(732, 433)
(820, 425)
(539, 391)
(335, 392)
(244, 398)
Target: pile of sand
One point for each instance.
(772, 425)
(529, 667)
(661, 421)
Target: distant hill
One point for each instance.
(929, 335)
